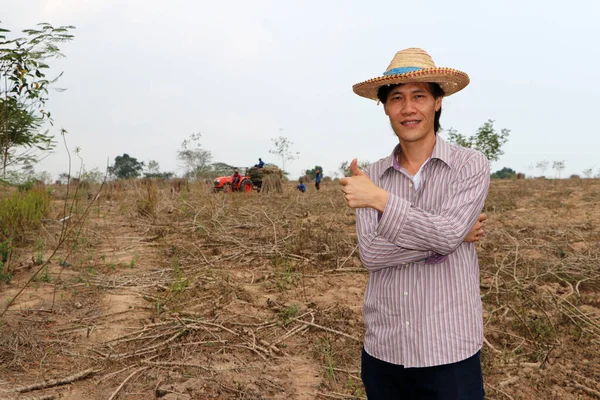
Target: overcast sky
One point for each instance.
(141, 76)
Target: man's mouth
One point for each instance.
(410, 123)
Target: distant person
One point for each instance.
(301, 187)
(260, 164)
(417, 217)
(236, 177)
(318, 176)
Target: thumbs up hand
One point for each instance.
(360, 192)
(354, 168)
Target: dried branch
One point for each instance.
(114, 395)
(56, 382)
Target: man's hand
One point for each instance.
(477, 231)
(361, 192)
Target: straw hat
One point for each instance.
(413, 65)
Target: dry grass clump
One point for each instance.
(20, 344)
(147, 201)
(269, 179)
(21, 212)
(271, 183)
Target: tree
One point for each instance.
(63, 177)
(542, 166)
(93, 176)
(558, 166)
(283, 150)
(24, 91)
(504, 173)
(196, 160)
(221, 169)
(44, 177)
(25, 175)
(152, 168)
(459, 139)
(19, 135)
(345, 167)
(588, 172)
(126, 167)
(153, 171)
(485, 140)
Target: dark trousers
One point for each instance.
(458, 381)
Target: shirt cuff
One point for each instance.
(393, 218)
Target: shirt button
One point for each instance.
(407, 323)
(406, 293)
(410, 185)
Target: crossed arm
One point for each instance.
(405, 233)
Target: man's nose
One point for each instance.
(408, 107)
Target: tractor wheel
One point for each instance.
(227, 188)
(246, 186)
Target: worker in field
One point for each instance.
(417, 218)
(260, 164)
(318, 176)
(236, 177)
(301, 186)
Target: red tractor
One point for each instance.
(225, 184)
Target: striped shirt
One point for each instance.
(422, 305)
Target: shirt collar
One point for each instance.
(441, 151)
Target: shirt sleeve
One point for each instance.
(412, 228)
(377, 252)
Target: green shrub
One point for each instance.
(5, 276)
(504, 173)
(22, 212)
(25, 186)
(5, 249)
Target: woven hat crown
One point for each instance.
(412, 57)
(413, 65)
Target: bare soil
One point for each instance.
(195, 295)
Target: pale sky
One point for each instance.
(141, 76)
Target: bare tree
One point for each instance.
(195, 158)
(558, 166)
(542, 166)
(283, 150)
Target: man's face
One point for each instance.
(411, 108)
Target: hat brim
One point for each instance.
(450, 80)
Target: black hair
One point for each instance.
(434, 88)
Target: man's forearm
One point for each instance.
(375, 251)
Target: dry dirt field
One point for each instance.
(197, 295)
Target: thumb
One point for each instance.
(354, 168)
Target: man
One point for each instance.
(318, 176)
(260, 164)
(417, 221)
(236, 177)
